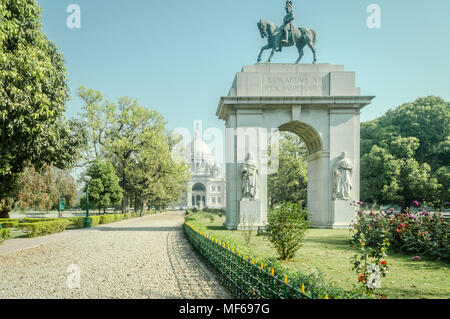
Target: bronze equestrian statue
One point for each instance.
(287, 35)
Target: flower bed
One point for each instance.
(424, 233)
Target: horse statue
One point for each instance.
(298, 37)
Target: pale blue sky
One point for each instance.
(179, 56)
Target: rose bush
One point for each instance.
(418, 233)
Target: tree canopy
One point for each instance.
(33, 94)
(135, 140)
(290, 183)
(406, 154)
(104, 189)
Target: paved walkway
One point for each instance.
(139, 258)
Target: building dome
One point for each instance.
(198, 148)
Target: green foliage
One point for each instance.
(75, 222)
(95, 220)
(104, 189)
(137, 143)
(291, 181)
(106, 219)
(286, 228)
(388, 179)
(9, 223)
(217, 211)
(42, 189)
(37, 220)
(406, 154)
(33, 93)
(43, 228)
(5, 233)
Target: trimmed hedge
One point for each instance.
(5, 233)
(107, 219)
(37, 220)
(95, 220)
(44, 228)
(9, 223)
(75, 222)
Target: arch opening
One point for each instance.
(199, 195)
(307, 133)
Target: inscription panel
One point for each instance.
(299, 84)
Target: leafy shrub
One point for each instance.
(44, 228)
(286, 228)
(424, 233)
(5, 233)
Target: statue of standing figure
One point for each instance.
(249, 178)
(342, 175)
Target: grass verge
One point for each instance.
(328, 251)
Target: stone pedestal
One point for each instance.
(343, 213)
(318, 102)
(250, 217)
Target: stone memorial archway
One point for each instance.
(318, 102)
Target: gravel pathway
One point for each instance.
(138, 258)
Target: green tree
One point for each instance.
(136, 141)
(291, 181)
(406, 154)
(388, 179)
(104, 189)
(33, 93)
(41, 189)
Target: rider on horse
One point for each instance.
(288, 23)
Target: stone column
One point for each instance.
(344, 137)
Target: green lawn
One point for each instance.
(329, 251)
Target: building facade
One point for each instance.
(206, 188)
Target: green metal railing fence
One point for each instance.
(239, 274)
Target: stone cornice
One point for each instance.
(230, 103)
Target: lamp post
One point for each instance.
(87, 223)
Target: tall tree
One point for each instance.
(104, 189)
(33, 93)
(42, 189)
(290, 183)
(406, 154)
(136, 141)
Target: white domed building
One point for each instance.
(207, 187)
